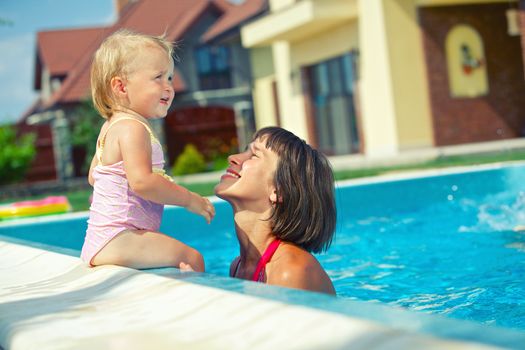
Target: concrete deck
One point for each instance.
(412, 156)
(52, 301)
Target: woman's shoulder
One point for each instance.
(294, 267)
(292, 254)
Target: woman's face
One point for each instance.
(248, 181)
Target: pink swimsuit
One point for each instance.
(115, 207)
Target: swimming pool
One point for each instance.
(439, 244)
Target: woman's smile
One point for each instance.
(230, 173)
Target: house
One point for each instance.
(379, 77)
(212, 79)
(57, 54)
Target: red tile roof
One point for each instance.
(59, 50)
(147, 16)
(70, 51)
(234, 17)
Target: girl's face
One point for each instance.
(149, 87)
(249, 180)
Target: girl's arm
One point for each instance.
(94, 161)
(135, 147)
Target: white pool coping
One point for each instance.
(53, 301)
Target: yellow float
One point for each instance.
(45, 206)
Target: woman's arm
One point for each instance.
(233, 266)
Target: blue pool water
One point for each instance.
(441, 244)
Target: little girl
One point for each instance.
(131, 82)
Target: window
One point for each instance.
(213, 67)
(332, 93)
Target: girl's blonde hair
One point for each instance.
(114, 58)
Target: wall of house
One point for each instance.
(196, 114)
(321, 47)
(408, 71)
(276, 5)
(500, 114)
(263, 95)
(394, 106)
(378, 121)
(240, 63)
(214, 130)
(325, 45)
(239, 56)
(45, 91)
(42, 167)
(187, 64)
(522, 27)
(289, 58)
(290, 97)
(322, 34)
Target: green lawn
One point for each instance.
(80, 199)
(441, 162)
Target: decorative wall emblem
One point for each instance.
(467, 70)
(468, 62)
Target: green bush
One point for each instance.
(16, 154)
(217, 152)
(87, 124)
(190, 161)
(219, 163)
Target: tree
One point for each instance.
(16, 154)
(86, 125)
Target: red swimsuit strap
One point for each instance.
(258, 275)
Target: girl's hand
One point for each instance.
(201, 206)
(186, 267)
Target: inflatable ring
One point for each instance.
(45, 206)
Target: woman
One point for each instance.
(282, 194)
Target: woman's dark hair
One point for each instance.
(305, 212)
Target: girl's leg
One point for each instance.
(145, 249)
